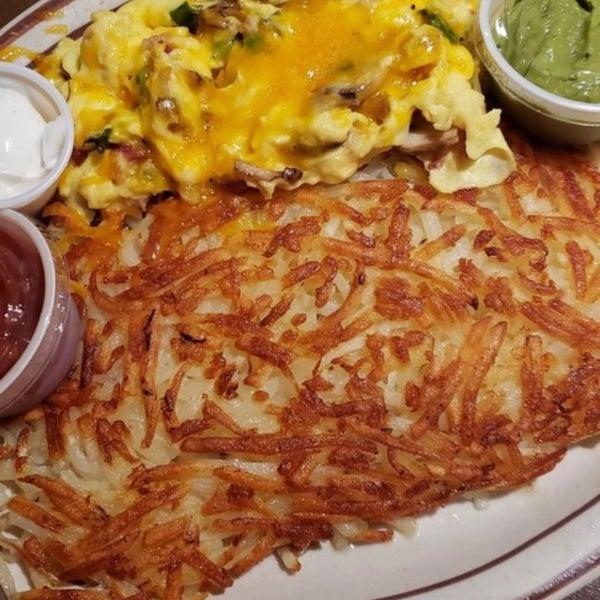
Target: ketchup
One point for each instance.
(21, 296)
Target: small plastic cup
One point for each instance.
(48, 101)
(545, 115)
(53, 346)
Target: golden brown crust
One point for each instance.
(365, 353)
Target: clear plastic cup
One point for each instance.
(53, 346)
(48, 101)
(545, 115)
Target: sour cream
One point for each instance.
(29, 146)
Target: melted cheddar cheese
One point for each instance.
(275, 94)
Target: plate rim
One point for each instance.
(573, 577)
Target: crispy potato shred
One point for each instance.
(257, 377)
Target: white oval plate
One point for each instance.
(541, 542)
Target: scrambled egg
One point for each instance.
(170, 97)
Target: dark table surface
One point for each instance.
(10, 9)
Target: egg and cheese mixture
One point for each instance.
(170, 97)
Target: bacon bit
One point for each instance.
(289, 236)
(135, 151)
(580, 259)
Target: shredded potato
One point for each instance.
(369, 353)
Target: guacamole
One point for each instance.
(555, 44)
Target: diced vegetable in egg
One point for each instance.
(277, 94)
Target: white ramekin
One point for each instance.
(545, 115)
(50, 104)
(53, 346)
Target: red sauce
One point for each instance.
(21, 296)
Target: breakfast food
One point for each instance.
(258, 376)
(555, 44)
(169, 96)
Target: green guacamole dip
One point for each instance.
(555, 44)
